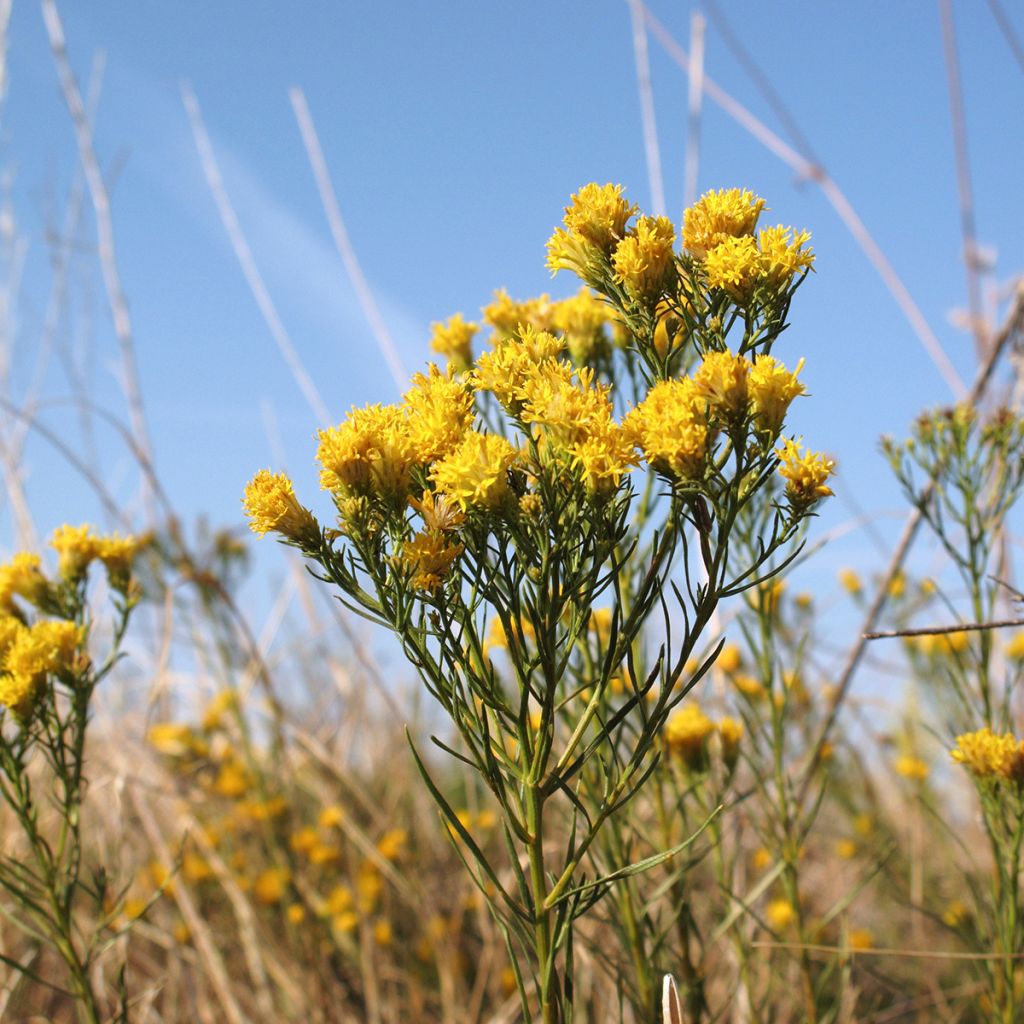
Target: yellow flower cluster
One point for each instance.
(476, 472)
(595, 220)
(643, 259)
(987, 754)
(719, 216)
(688, 731)
(21, 577)
(719, 230)
(670, 427)
(805, 474)
(505, 370)
(78, 546)
(454, 341)
(429, 556)
(271, 506)
(375, 450)
(28, 654)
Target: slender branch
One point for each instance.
(967, 627)
(342, 241)
(246, 260)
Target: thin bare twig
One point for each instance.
(816, 173)
(965, 190)
(1005, 26)
(967, 627)
(1010, 332)
(695, 106)
(105, 247)
(650, 126)
(342, 241)
(245, 257)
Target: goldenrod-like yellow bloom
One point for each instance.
(717, 216)
(686, 735)
(729, 658)
(117, 554)
(271, 506)
(991, 755)
(734, 265)
(392, 844)
(383, 933)
(911, 767)
(1015, 648)
(505, 370)
(643, 259)
(507, 316)
(956, 913)
(76, 547)
(780, 914)
(595, 221)
(369, 886)
(805, 474)
(440, 514)
(476, 473)
(429, 557)
(762, 859)
(604, 457)
(173, 739)
(331, 816)
(21, 576)
(730, 733)
(454, 341)
(224, 703)
(564, 405)
(783, 254)
(440, 411)
(722, 380)
(862, 938)
(48, 647)
(296, 913)
(670, 428)
(669, 331)
(271, 885)
(371, 451)
(846, 849)
(304, 840)
(850, 581)
(233, 780)
(772, 389)
(581, 320)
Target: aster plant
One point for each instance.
(48, 675)
(549, 527)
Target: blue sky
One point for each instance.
(454, 134)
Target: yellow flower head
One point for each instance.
(271, 885)
(717, 216)
(76, 547)
(643, 259)
(562, 404)
(271, 506)
(117, 554)
(850, 581)
(604, 457)
(722, 380)
(670, 428)
(23, 576)
(48, 647)
(772, 388)
(440, 411)
(596, 217)
(391, 845)
(476, 473)
(686, 735)
(507, 316)
(780, 914)
(990, 755)
(730, 658)
(454, 341)
(911, 767)
(506, 369)
(581, 319)
(371, 451)
(1015, 648)
(805, 474)
(730, 733)
(429, 557)
(440, 514)
(783, 254)
(733, 265)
